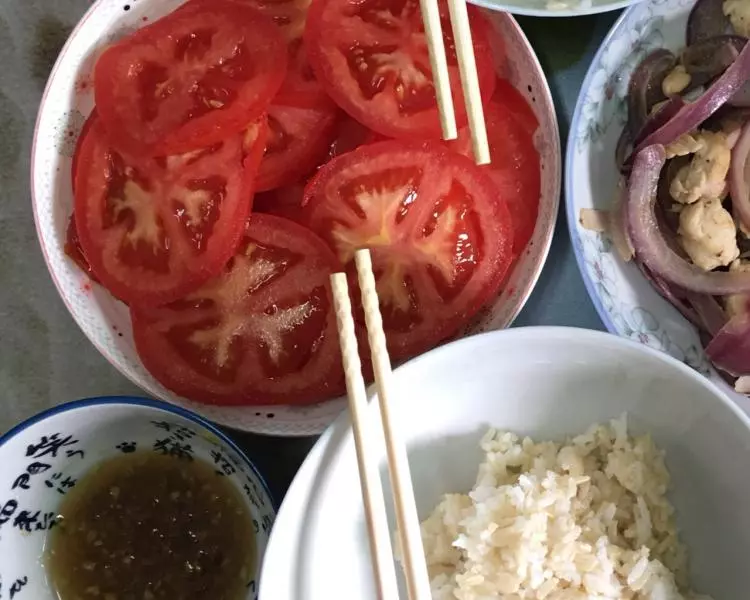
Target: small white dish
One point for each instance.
(68, 100)
(42, 458)
(626, 302)
(544, 382)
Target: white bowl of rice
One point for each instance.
(548, 463)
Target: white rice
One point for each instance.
(584, 520)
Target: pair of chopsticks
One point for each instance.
(467, 67)
(407, 521)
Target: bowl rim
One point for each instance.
(299, 428)
(195, 418)
(570, 208)
(554, 14)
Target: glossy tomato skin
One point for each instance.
(74, 250)
(439, 234)
(153, 229)
(515, 168)
(301, 129)
(261, 332)
(190, 79)
(371, 56)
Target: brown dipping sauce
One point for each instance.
(145, 526)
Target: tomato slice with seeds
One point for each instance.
(74, 250)
(262, 332)
(190, 79)
(155, 228)
(515, 168)
(288, 15)
(440, 237)
(372, 58)
(283, 202)
(300, 131)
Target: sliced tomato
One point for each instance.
(74, 250)
(77, 152)
(262, 332)
(189, 80)
(440, 236)
(512, 100)
(515, 168)
(301, 129)
(289, 15)
(372, 58)
(283, 202)
(155, 228)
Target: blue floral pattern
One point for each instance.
(624, 299)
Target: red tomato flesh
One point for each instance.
(512, 101)
(155, 228)
(440, 236)
(74, 250)
(372, 58)
(515, 168)
(300, 131)
(262, 332)
(190, 79)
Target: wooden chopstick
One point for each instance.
(467, 67)
(407, 520)
(381, 550)
(439, 64)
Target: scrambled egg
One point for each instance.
(738, 12)
(705, 178)
(708, 235)
(676, 81)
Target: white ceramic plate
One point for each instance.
(544, 382)
(67, 101)
(555, 8)
(626, 302)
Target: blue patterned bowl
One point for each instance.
(626, 302)
(42, 458)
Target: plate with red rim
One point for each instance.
(69, 99)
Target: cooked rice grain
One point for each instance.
(584, 520)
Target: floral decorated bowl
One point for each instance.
(43, 458)
(625, 300)
(69, 99)
(555, 8)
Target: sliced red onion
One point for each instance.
(644, 88)
(729, 350)
(738, 184)
(618, 220)
(712, 315)
(741, 98)
(707, 59)
(691, 115)
(706, 20)
(671, 294)
(650, 245)
(657, 120)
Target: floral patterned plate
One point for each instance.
(624, 299)
(67, 101)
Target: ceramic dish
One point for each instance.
(555, 8)
(544, 382)
(625, 300)
(42, 458)
(106, 322)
